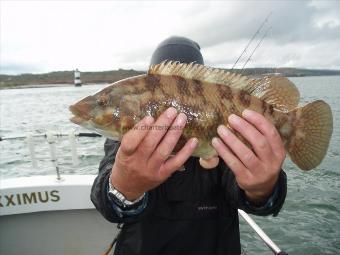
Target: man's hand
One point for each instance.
(142, 161)
(256, 170)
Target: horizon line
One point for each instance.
(131, 69)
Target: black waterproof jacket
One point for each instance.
(193, 212)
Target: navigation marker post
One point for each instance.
(77, 81)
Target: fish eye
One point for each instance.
(101, 101)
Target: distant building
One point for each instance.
(77, 81)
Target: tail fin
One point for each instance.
(313, 130)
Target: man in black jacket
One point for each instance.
(172, 205)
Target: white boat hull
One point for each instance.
(40, 215)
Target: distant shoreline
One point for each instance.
(63, 78)
(66, 78)
(35, 86)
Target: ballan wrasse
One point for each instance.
(208, 96)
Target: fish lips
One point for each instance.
(79, 116)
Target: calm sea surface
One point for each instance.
(309, 222)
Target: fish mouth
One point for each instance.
(77, 120)
(82, 110)
(80, 116)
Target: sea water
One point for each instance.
(309, 222)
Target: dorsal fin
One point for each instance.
(200, 72)
(275, 90)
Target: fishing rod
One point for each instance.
(273, 247)
(264, 35)
(45, 136)
(250, 41)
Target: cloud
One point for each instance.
(292, 21)
(46, 36)
(15, 68)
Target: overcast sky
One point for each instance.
(46, 36)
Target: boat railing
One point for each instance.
(51, 138)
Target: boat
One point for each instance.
(50, 215)
(53, 214)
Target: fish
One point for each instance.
(207, 96)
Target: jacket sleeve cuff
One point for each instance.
(129, 211)
(264, 206)
(273, 204)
